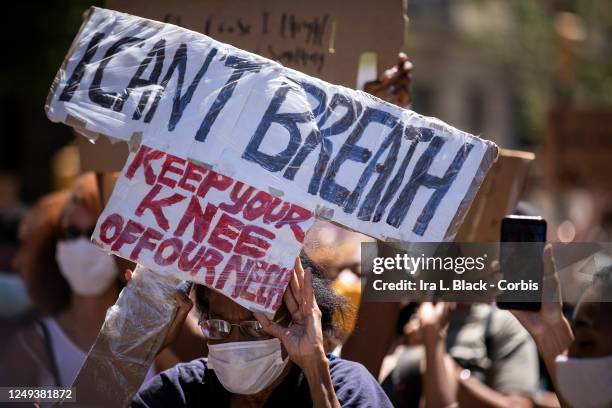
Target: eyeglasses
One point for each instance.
(71, 232)
(219, 329)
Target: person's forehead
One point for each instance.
(223, 307)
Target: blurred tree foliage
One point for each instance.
(557, 52)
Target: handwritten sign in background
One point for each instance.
(321, 38)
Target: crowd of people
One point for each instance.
(323, 348)
(437, 354)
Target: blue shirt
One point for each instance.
(194, 385)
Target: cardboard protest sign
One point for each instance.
(498, 196)
(103, 156)
(178, 217)
(233, 122)
(317, 37)
(578, 148)
(343, 154)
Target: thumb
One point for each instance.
(549, 262)
(550, 289)
(184, 306)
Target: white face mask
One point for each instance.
(246, 367)
(585, 382)
(89, 270)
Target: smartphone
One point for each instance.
(522, 243)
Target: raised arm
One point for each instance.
(303, 339)
(548, 327)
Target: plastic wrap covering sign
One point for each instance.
(348, 157)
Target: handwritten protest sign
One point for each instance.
(316, 37)
(338, 153)
(175, 216)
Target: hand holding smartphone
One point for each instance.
(522, 243)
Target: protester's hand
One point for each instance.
(394, 84)
(550, 315)
(303, 339)
(184, 305)
(433, 319)
(412, 332)
(428, 323)
(548, 327)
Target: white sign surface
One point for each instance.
(342, 154)
(180, 218)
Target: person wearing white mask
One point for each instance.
(578, 357)
(72, 283)
(256, 362)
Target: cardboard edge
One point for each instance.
(520, 154)
(472, 227)
(491, 157)
(57, 78)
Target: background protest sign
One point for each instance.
(101, 156)
(317, 37)
(343, 154)
(578, 148)
(177, 217)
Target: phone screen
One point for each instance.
(522, 243)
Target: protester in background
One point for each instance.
(253, 361)
(70, 281)
(500, 356)
(15, 305)
(338, 252)
(578, 358)
(472, 354)
(14, 301)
